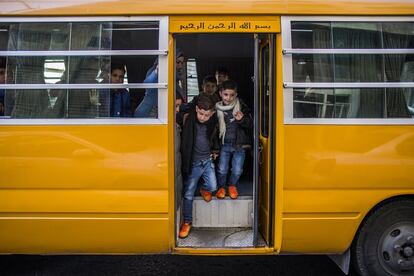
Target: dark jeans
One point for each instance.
(204, 169)
(226, 153)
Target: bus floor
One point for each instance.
(219, 237)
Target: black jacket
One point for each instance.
(187, 139)
(245, 130)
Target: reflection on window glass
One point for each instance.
(310, 35)
(352, 35)
(356, 35)
(312, 68)
(89, 69)
(353, 103)
(358, 68)
(311, 103)
(352, 67)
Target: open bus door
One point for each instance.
(265, 74)
(247, 47)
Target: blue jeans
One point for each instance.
(227, 151)
(204, 169)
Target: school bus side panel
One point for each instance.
(329, 180)
(178, 7)
(79, 189)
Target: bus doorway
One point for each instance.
(243, 222)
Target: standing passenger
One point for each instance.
(235, 122)
(199, 146)
(119, 97)
(149, 105)
(222, 74)
(209, 88)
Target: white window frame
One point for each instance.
(288, 83)
(162, 84)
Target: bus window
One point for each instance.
(359, 83)
(62, 69)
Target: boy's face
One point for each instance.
(203, 115)
(179, 63)
(117, 76)
(220, 77)
(209, 88)
(228, 96)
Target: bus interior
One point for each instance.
(222, 223)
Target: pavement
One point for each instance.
(297, 265)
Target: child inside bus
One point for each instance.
(199, 147)
(120, 99)
(116, 102)
(149, 105)
(222, 74)
(235, 123)
(209, 88)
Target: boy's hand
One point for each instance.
(214, 156)
(238, 115)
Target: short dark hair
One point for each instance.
(179, 53)
(209, 78)
(228, 84)
(205, 102)
(119, 66)
(223, 70)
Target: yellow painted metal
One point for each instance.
(264, 154)
(349, 157)
(325, 221)
(84, 157)
(73, 233)
(171, 143)
(177, 7)
(83, 189)
(228, 251)
(108, 189)
(279, 149)
(335, 176)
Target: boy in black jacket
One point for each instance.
(199, 146)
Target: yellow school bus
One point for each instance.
(330, 86)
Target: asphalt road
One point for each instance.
(168, 265)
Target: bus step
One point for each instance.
(223, 212)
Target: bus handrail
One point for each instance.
(363, 51)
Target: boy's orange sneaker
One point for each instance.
(206, 195)
(233, 192)
(221, 193)
(185, 230)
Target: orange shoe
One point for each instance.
(221, 193)
(233, 192)
(185, 230)
(206, 195)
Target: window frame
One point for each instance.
(287, 71)
(162, 85)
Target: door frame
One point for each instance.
(232, 24)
